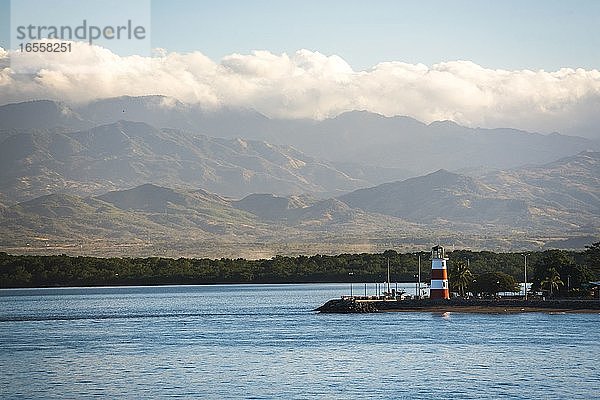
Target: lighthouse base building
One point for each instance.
(439, 274)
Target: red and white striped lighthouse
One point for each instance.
(439, 274)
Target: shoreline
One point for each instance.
(473, 306)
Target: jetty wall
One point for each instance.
(349, 305)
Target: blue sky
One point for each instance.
(497, 34)
(504, 34)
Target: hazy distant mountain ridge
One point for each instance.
(167, 112)
(40, 114)
(128, 153)
(399, 143)
(402, 142)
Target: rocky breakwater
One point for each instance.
(342, 306)
(349, 305)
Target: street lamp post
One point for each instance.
(350, 274)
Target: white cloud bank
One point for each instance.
(312, 85)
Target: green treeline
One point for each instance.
(62, 270)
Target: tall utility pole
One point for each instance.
(388, 278)
(416, 287)
(419, 291)
(468, 268)
(525, 275)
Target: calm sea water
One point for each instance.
(263, 341)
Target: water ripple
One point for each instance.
(199, 342)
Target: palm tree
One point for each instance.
(552, 280)
(461, 277)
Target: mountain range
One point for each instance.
(519, 208)
(125, 154)
(155, 174)
(405, 145)
(127, 141)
